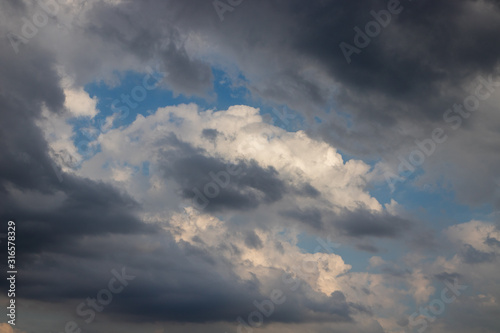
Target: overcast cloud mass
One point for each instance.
(250, 165)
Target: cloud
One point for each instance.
(393, 93)
(130, 204)
(252, 240)
(491, 241)
(206, 180)
(447, 276)
(472, 256)
(364, 223)
(308, 216)
(476, 234)
(367, 248)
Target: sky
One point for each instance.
(250, 166)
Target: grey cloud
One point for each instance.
(409, 74)
(491, 241)
(412, 72)
(87, 208)
(403, 322)
(308, 216)
(249, 186)
(367, 248)
(386, 68)
(362, 223)
(129, 26)
(359, 223)
(445, 276)
(174, 282)
(184, 74)
(424, 240)
(471, 255)
(252, 240)
(307, 190)
(210, 134)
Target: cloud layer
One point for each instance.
(221, 214)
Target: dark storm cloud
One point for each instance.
(409, 74)
(425, 47)
(67, 252)
(359, 223)
(213, 299)
(308, 216)
(413, 69)
(406, 65)
(29, 81)
(207, 179)
(146, 31)
(409, 62)
(173, 281)
(88, 208)
(363, 223)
